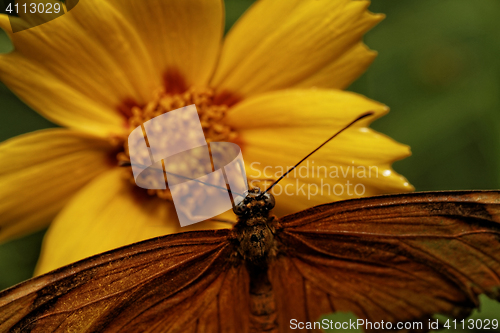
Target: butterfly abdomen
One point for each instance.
(263, 314)
(256, 247)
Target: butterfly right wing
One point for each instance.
(177, 283)
(390, 258)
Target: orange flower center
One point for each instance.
(211, 118)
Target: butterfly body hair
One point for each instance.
(254, 238)
(254, 233)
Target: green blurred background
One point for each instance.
(439, 71)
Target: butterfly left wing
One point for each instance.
(176, 283)
(392, 258)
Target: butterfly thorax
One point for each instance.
(254, 232)
(256, 246)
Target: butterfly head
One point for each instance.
(255, 203)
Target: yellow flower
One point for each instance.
(272, 85)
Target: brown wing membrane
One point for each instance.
(392, 258)
(175, 283)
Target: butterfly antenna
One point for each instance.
(315, 150)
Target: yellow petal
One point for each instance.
(108, 213)
(326, 108)
(182, 37)
(65, 73)
(342, 72)
(40, 171)
(274, 54)
(80, 69)
(278, 129)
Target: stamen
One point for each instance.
(211, 118)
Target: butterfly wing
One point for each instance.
(176, 283)
(393, 258)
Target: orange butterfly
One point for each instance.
(395, 258)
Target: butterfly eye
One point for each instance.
(240, 209)
(269, 200)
